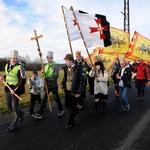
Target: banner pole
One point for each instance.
(71, 8)
(67, 30)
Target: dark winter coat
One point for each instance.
(141, 70)
(126, 77)
(78, 80)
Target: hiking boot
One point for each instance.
(11, 129)
(127, 107)
(117, 94)
(80, 107)
(93, 112)
(139, 99)
(76, 117)
(69, 126)
(122, 110)
(60, 113)
(37, 116)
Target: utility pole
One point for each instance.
(126, 16)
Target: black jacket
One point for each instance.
(126, 77)
(78, 80)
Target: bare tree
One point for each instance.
(27, 58)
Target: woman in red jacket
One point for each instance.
(142, 74)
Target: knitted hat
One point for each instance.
(14, 54)
(78, 53)
(98, 63)
(69, 57)
(50, 54)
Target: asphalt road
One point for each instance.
(106, 131)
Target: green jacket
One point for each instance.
(51, 74)
(12, 76)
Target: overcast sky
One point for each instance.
(18, 19)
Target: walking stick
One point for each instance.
(1, 78)
(41, 60)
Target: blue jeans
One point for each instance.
(123, 96)
(54, 91)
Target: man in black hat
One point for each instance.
(73, 86)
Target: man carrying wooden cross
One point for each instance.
(51, 75)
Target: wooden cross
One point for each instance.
(42, 65)
(36, 38)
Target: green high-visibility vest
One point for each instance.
(11, 77)
(49, 69)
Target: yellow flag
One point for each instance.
(139, 48)
(107, 59)
(120, 42)
(93, 56)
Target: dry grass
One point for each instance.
(25, 97)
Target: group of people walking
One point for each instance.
(76, 75)
(122, 72)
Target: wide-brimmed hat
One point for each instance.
(69, 57)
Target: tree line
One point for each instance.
(30, 66)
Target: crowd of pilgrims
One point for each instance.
(77, 74)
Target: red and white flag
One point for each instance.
(72, 28)
(95, 29)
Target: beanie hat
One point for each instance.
(69, 57)
(14, 54)
(98, 63)
(50, 54)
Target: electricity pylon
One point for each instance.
(126, 16)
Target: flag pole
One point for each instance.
(98, 54)
(67, 30)
(71, 8)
